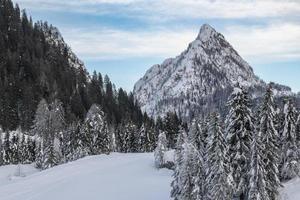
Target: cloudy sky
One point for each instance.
(123, 38)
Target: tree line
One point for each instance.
(245, 156)
(52, 140)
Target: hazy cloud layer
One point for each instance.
(173, 9)
(273, 42)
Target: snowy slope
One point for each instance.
(199, 80)
(112, 177)
(291, 190)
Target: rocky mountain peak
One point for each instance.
(197, 81)
(206, 32)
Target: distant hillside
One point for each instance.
(36, 63)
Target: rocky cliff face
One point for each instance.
(199, 80)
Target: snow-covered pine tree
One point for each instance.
(188, 171)
(195, 135)
(257, 189)
(218, 175)
(1, 147)
(14, 146)
(30, 148)
(143, 140)
(95, 131)
(23, 151)
(298, 132)
(268, 134)
(290, 166)
(73, 142)
(151, 136)
(130, 137)
(171, 128)
(57, 117)
(239, 129)
(198, 140)
(7, 152)
(44, 129)
(161, 148)
(176, 183)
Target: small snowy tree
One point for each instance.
(290, 158)
(218, 174)
(160, 150)
(239, 129)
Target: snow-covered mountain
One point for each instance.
(199, 80)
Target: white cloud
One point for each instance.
(166, 9)
(273, 42)
(268, 43)
(116, 44)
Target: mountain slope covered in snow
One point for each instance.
(199, 80)
(109, 177)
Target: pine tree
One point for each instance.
(171, 127)
(160, 150)
(14, 146)
(129, 137)
(176, 184)
(188, 171)
(218, 174)
(1, 148)
(258, 182)
(75, 146)
(143, 140)
(269, 137)
(7, 152)
(197, 138)
(239, 129)
(95, 131)
(290, 158)
(47, 124)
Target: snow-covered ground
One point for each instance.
(113, 177)
(291, 190)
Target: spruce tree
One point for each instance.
(269, 139)
(197, 138)
(176, 184)
(160, 150)
(75, 146)
(95, 131)
(290, 165)
(218, 176)
(171, 127)
(7, 152)
(239, 129)
(143, 140)
(258, 183)
(1, 148)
